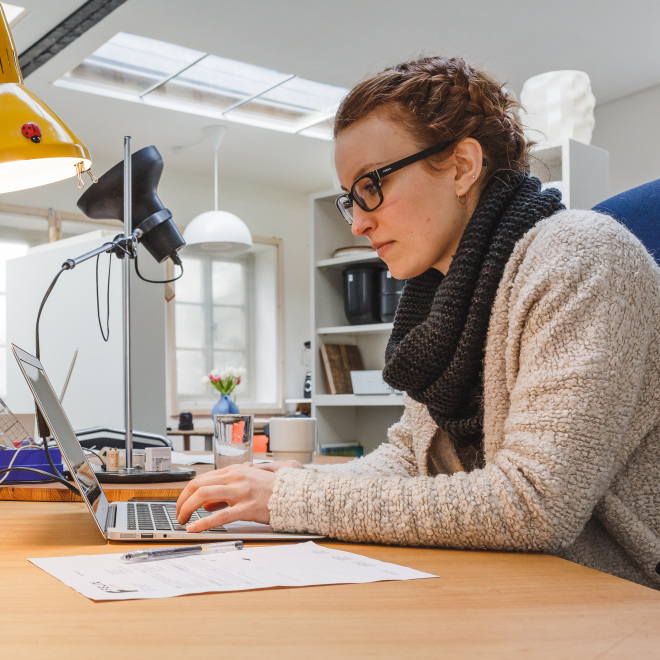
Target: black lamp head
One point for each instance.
(105, 200)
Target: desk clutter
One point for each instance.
(28, 457)
(18, 450)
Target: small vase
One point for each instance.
(224, 406)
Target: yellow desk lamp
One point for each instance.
(36, 146)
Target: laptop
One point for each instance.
(126, 521)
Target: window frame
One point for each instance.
(175, 407)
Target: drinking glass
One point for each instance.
(232, 441)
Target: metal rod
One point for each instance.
(128, 207)
(261, 92)
(164, 81)
(68, 376)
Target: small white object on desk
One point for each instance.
(292, 438)
(179, 458)
(157, 459)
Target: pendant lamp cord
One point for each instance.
(215, 177)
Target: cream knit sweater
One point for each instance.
(571, 423)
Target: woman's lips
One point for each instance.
(381, 248)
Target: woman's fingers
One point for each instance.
(243, 489)
(215, 506)
(226, 515)
(214, 476)
(211, 494)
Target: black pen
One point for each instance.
(182, 551)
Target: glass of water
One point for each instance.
(232, 439)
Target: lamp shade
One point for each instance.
(36, 146)
(217, 231)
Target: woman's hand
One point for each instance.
(238, 492)
(274, 466)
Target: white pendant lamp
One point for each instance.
(216, 231)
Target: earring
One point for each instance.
(464, 202)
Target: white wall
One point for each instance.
(629, 129)
(267, 212)
(95, 396)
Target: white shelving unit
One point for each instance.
(582, 169)
(344, 417)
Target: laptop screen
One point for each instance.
(63, 433)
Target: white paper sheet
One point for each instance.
(106, 577)
(179, 458)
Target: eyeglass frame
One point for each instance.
(377, 175)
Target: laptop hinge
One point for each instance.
(111, 518)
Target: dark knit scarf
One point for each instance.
(437, 347)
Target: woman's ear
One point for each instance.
(468, 157)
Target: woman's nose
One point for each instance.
(362, 221)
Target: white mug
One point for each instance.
(292, 438)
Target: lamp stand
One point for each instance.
(125, 247)
(130, 474)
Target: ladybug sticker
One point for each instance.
(32, 131)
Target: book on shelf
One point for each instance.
(342, 449)
(338, 360)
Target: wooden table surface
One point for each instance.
(483, 605)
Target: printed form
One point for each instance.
(107, 577)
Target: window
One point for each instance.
(143, 70)
(226, 313)
(8, 250)
(14, 13)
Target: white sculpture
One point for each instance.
(558, 105)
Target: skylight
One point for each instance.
(154, 72)
(13, 13)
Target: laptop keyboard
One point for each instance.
(150, 516)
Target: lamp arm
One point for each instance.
(118, 247)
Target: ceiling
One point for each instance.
(337, 42)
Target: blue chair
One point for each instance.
(638, 209)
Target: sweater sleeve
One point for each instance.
(576, 323)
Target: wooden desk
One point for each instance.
(484, 605)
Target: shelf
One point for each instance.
(353, 258)
(358, 400)
(369, 329)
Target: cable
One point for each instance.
(91, 451)
(50, 476)
(174, 279)
(42, 427)
(105, 335)
(43, 302)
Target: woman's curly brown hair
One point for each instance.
(441, 99)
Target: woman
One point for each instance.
(526, 341)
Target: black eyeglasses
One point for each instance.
(366, 192)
